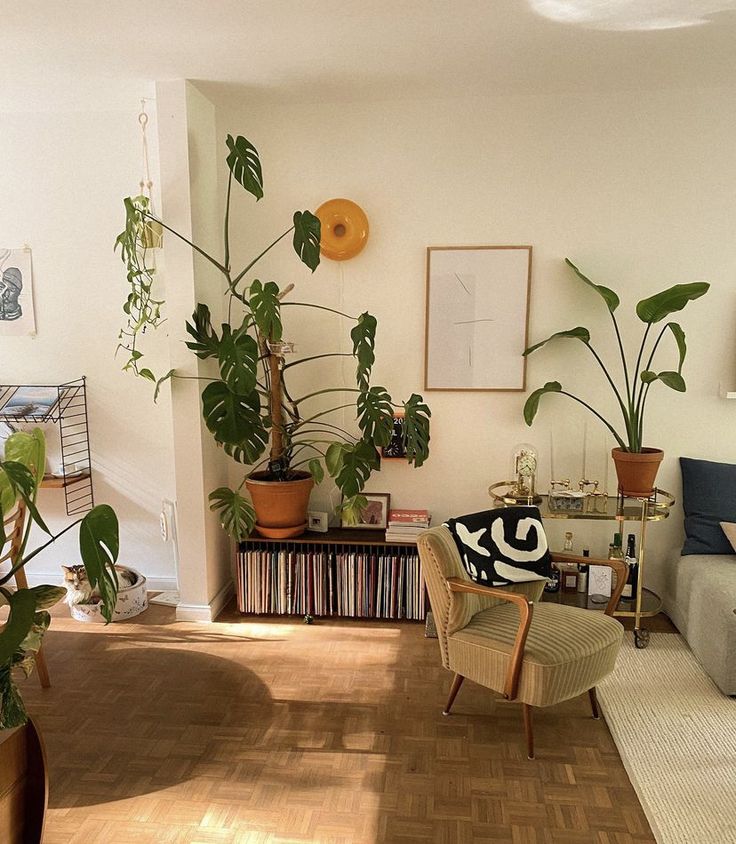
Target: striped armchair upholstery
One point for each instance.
(538, 654)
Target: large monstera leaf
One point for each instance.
(206, 343)
(233, 419)
(236, 513)
(376, 416)
(238, 358)
(363, 336)
(307, 234)
(416, 430)
(351, 465)
(245, 165)
(266, 307)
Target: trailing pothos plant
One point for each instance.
(21, 473)
(633, 390)
(249, 408)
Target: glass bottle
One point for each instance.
(632, 581)
(583, 575)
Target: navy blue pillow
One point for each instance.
(708, 498)
(502, 546)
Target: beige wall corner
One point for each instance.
(187, 148)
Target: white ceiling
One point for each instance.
(305, 49)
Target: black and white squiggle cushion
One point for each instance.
(502, 546)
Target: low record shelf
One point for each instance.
(344, 572)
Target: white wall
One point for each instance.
(636, 187)
(64, 174)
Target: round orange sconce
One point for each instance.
(344, 229)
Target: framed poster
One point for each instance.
(16, 292)
(477, 317)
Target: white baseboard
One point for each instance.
(154, 584)
(206, 612)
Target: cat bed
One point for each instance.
(132, 600)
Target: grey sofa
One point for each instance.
(700, 598)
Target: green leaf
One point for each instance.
(307, 233)
(609, 297)
(657, 307)
(357, 463)
(376, 415)
(673, 380)
(234, 419)
(206, 342)
(22, 609)
(679, 336)
(316, 470)
(236, 513)
(266, 307)
(578, 333)
(160, 383)
(238, 358)
(34, 638)
(416, 430)
(245, 165)
(333, 458)
(99, 545)
(12, 711)
(48, 596)
(22, 483)
(351, 509)
(28, 448)
(147, 374)
(363, 336)
(532, 403)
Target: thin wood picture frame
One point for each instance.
(477, 318)
(375, 515)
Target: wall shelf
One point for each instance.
(64, 405)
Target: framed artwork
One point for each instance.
(477, 317)
(16, 292)
(375, 514)
(28, 401)
(395, 449)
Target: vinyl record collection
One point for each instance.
(322, 579)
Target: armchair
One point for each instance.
(538, 654)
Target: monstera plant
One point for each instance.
(20, 638)
(636, 464)
(287, 440)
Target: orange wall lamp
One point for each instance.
(344, 229)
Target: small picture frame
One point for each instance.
(375, 515)
(318, 521)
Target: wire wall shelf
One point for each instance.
(66, 406)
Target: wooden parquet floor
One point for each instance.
(257, 732)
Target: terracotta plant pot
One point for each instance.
(24, 785)
(637, 471)
(281, 506)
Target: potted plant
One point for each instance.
(21, 472)
(636, 465)
(287, 440)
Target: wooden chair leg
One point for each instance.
(528, 730)
(42, 669)
(594, 703)
(454, 689)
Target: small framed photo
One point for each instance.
(374, 515)
(318, 520)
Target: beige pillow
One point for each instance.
(729, 528)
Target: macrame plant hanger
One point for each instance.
(153, 233)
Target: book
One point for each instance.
(408, 517)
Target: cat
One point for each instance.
(79, 590)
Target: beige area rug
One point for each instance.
(676, 733)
